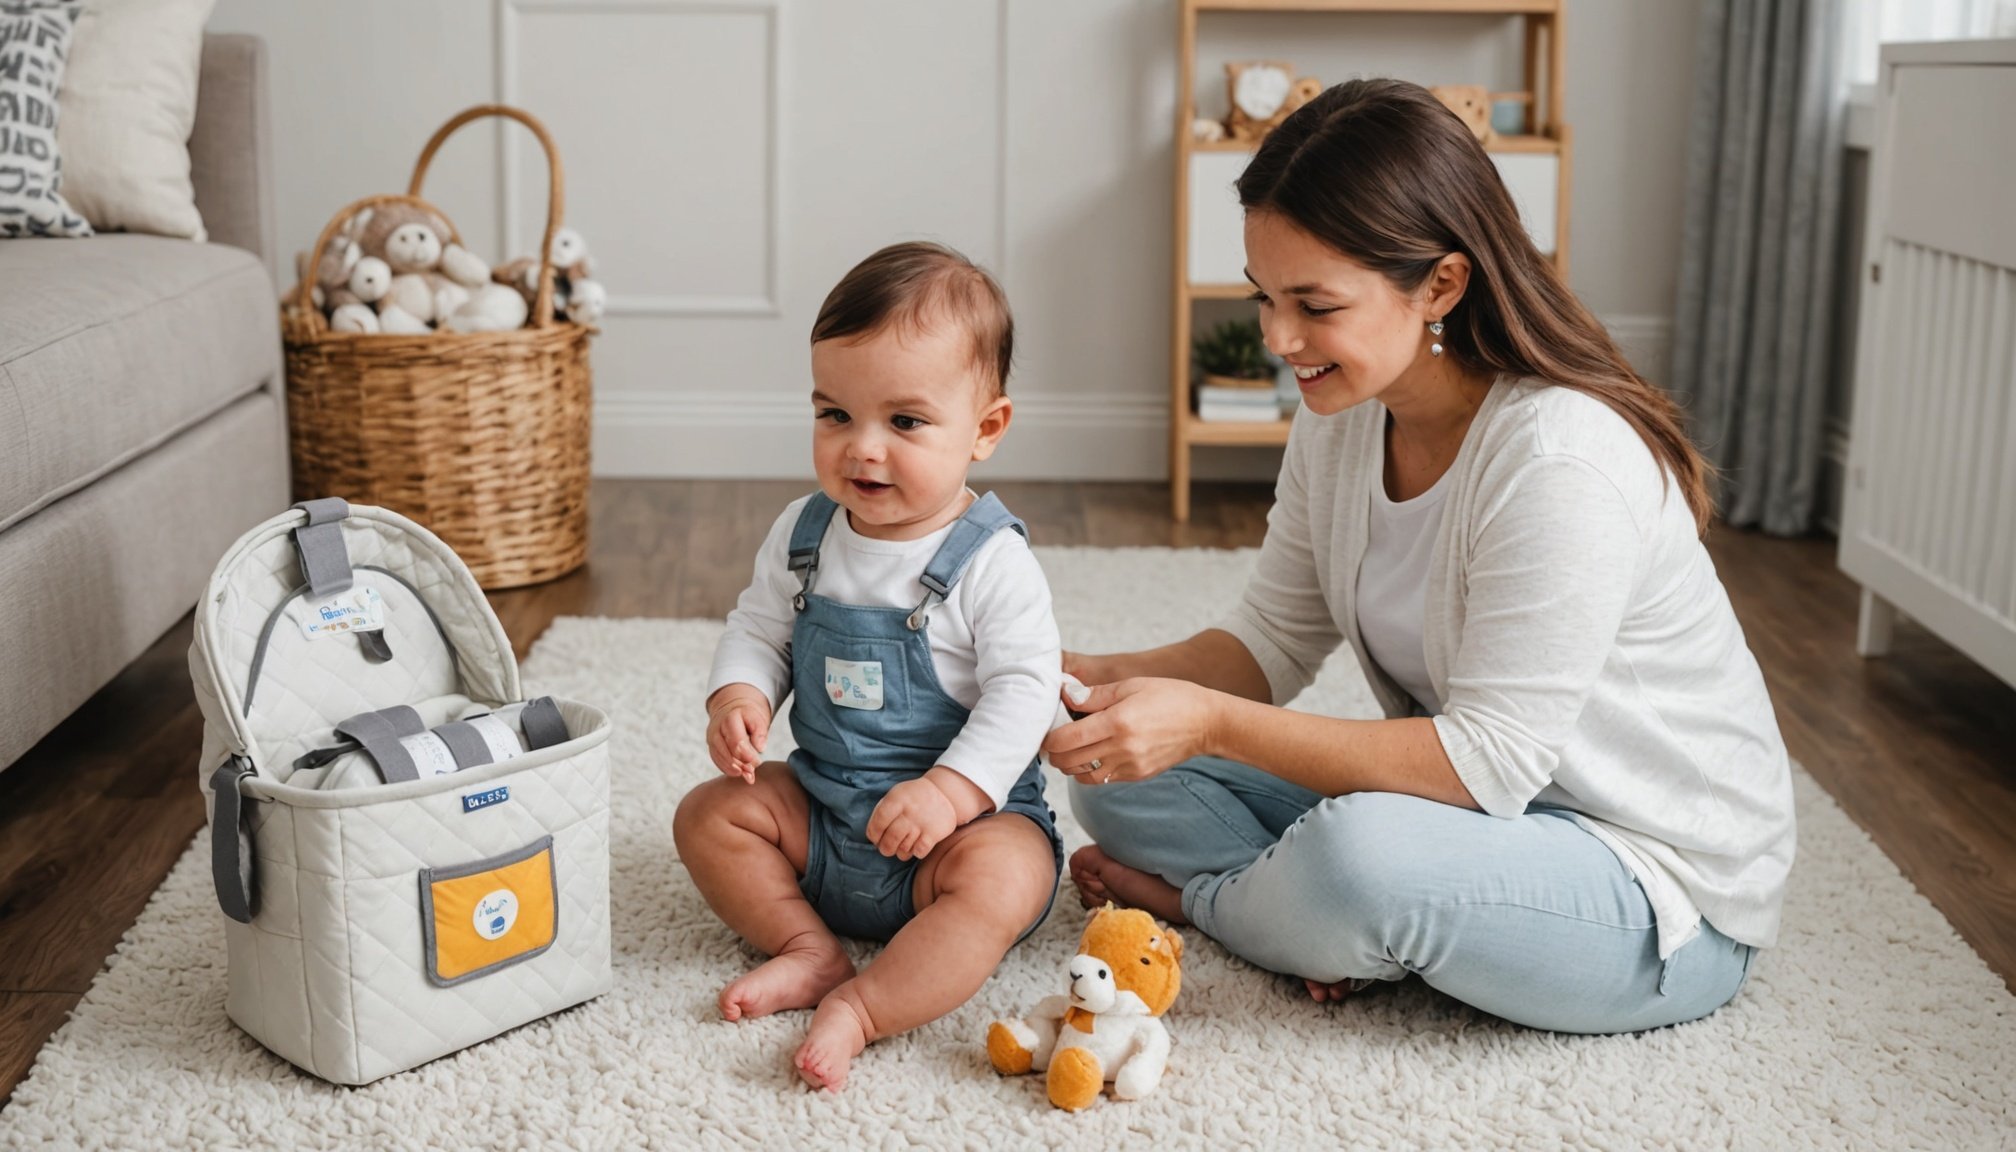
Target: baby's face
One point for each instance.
(898, 415)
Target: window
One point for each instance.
(1871, 23)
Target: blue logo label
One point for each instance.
(475, 800)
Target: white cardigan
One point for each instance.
(1582, 650)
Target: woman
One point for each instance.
(1577, 814)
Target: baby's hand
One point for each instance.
(911, 820)
(738, 725)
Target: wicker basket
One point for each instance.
(480, 436)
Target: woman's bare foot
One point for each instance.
(838, 1035)
(1100, 878)
(1331, 993)
(798, 977)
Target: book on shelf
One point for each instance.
(1257, 397)
(1238, 413)
(1238, 405)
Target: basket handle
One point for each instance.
(542, 308)
(302, 298)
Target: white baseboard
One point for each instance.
(757, 435)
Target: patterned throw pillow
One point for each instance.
(34, 35)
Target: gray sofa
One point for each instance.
(141, 419)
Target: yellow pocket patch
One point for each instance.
(483, 916)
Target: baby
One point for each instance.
(911, 624)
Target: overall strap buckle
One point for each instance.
(806, 534)
(805, 563)
(969, 534)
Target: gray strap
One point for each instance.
(969, 534)
(230, 846)
(806, 533)
(542, 724)
(325, 562)
(379, 734)
(376, 650)
(465, 743)
(316, 757)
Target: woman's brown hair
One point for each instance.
(1381, 172)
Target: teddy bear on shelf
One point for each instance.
(1107, 1027)
(577, 296)
(1472, 104)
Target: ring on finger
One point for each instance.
(1095, 765)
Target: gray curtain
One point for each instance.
(1753, 332)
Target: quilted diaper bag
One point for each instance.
(411, 857)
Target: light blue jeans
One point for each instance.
(1532, 919)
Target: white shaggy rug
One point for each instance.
(1872, 1025)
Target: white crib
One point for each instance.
(1929, 524)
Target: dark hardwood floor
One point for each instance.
(1919, 748)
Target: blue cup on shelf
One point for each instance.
(1508, 116)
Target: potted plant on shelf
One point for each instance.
(1233, 355)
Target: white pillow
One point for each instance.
(129, 104)
(33, 37)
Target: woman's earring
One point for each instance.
(1435, 329)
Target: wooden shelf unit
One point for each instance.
(1545, 134)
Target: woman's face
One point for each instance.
(1344, 329)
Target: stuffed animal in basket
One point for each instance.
(577, 296)
(432, 276)
(1107, 1027)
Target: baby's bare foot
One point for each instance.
(838, 1034)
(1100, 878)
(1324, 993)
(797, 977)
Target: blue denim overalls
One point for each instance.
(868, 714)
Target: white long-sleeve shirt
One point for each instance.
(994, 641)
(1581, 650)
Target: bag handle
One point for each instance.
(231, 862)
(542, 307)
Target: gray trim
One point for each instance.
(374, 647)
(464, 743)
(540, 721)
(325, 562)
(273, 617)
(379, 733)
(428, 877)
(265, 635)
(230, 846)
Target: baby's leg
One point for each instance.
(975, 893)
(745, 846)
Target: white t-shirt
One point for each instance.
(994, 642)
(1393, 584)
(1584, 653)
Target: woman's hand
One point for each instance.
(1135, 729)
(1092, 670)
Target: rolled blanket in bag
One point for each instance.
(394, 745)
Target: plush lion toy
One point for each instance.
(1107, 1027)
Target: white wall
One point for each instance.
(729, 159)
